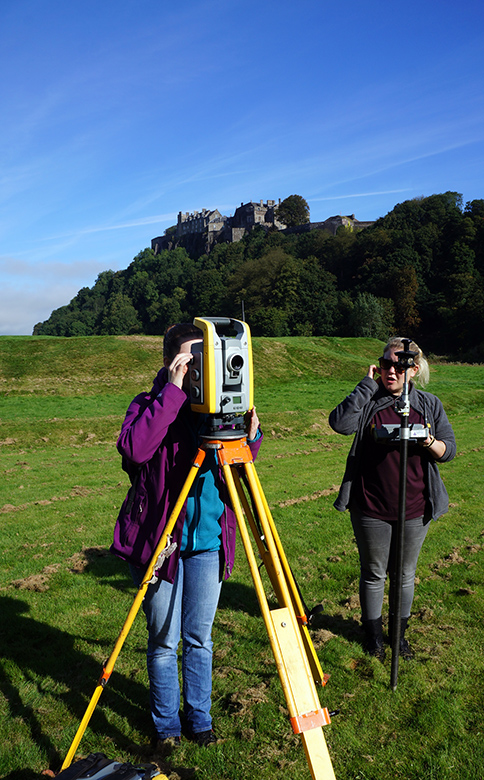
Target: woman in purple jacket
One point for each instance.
(158, 440)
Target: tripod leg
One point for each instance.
(293, 667)
(277, 567)
(276, 552)
(259, 538)
(244, 534)
(109, 666)
(298, 605)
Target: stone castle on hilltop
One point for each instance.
(201, 230)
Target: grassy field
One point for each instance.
(64, 598)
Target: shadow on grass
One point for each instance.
(346, 627)
(242, 598)
(45, 662)
(239, 598)
(106, 567)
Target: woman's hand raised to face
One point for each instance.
(178, 368)
(373, 372)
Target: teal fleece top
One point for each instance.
(202, 531)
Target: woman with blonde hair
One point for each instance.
(370, 487)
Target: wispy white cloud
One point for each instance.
(361, 195)
(151, 220)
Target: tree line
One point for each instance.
(418, 271)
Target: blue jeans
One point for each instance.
(187, 608)
(376, 540)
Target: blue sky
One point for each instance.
(118, 114)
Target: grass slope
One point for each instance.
(64, 598)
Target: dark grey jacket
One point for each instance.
(353, 415)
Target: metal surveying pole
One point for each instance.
(406, 359)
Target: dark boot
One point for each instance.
(374, 638)
(405, 650)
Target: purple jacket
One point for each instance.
(158, 446)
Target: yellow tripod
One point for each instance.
(296, 660)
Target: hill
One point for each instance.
(418, 271)
(64, 367)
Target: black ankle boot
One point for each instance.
(405, 650)
(374, 638)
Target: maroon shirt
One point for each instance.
(377, 487)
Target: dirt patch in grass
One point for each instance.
(77, 491)
(320, 636)
(77, 563)
(312, 497)
(458, 555)
(37, 582)
(242, 704)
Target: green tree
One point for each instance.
(405, 285)
(269, 288)
(208, 292)
(463, 315)
(269, 321)
(120, 316)
(474, 210)
(370, 317)
(317, 300)
(293, 211)
(144, 296)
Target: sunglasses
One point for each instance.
(388, 364)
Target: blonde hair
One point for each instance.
(423, 374)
